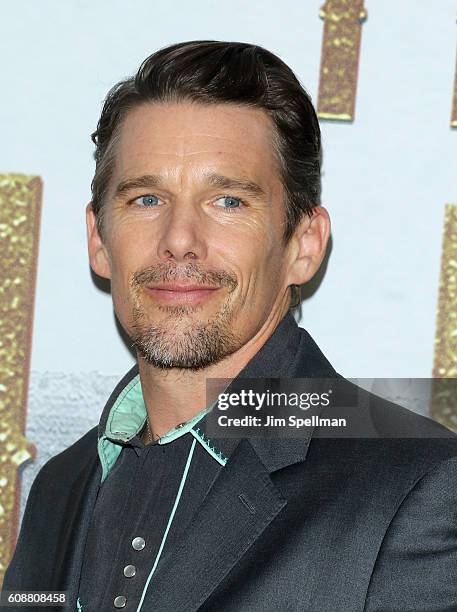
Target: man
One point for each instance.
(205, 216)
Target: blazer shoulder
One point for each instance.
(417, 439)
(393, 420)
(69, 463)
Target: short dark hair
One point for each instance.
(213, 72)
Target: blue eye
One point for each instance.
(231, 202)
(147, 200)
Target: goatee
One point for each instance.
(175, 343)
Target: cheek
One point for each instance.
(131, 245)
(244, 238)
(255, 259)
(271, 265)
(253, 248)
(127, 259)
(120, 291)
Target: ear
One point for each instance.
(98, 253)
(308, 245)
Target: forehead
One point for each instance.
(182, 138)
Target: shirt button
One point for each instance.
(120, 601)
(138, 543)
(129, 571)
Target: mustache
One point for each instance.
(164, 273)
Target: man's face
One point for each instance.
(194, 221)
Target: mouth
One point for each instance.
(181, 293)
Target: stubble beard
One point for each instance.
(175, 343)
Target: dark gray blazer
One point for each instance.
(333, 525)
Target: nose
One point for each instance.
(182, 234)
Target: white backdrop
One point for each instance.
(386, 178)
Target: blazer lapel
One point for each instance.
(241, 504)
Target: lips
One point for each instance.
(182, 287)
(182, 293)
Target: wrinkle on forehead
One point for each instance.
(183, 138)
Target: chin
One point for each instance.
(181, 342)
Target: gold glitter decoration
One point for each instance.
(340, 58)
(20, 208)
(443, 401)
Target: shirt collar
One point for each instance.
(126, 419)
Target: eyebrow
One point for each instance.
(147, 181)
(151, 181)
(239, 184)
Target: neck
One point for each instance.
(176, 395)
